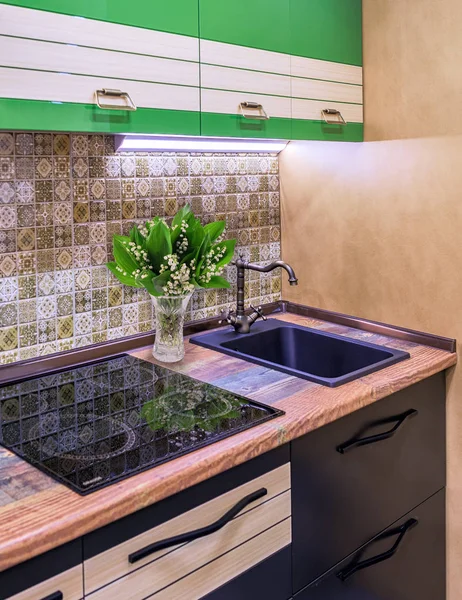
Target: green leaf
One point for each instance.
(159, 282)
(203, 249)
(147, 283)
(125, 279)
(195, 236)
(136, 236)
(228, 256)
(216, 282)
(123, 256)
(158, 244)
(182, 215)
(215, 229)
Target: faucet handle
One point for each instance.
(259, 313)
(227, 317)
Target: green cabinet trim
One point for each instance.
(39, 115)
(327, 30)
(172, 16)
(320, 131)
(225, 125)
(263, 24)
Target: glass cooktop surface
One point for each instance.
(97, 424)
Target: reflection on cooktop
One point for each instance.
(94, 425)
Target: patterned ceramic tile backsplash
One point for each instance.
(62, 197)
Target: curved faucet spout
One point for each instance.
(274, 265)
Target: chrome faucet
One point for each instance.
(238, 319)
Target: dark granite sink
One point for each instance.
(315, 355)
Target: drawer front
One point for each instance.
(340, 500)
(414, 567)
(65, 586)
(164, 566)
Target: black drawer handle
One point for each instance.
(355, 566)
(372, 439)
(197, 533)
(55, 596)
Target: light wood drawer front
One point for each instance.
(224, 78)
(69, 583)
(61, 87)
(225, 568)
(113, 564)
(67, 29)
(224, 102)
(79, 60)
(192, 556)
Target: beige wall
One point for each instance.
(375, 229)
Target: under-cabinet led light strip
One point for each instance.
(141, 143)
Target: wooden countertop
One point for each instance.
(38, 514)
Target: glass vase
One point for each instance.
(170, 311)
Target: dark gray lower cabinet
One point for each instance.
(269, 580)
(406, 562)
(356, 476)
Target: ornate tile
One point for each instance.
(43, 167)
(42, 144)
(46, 284)
(25, 192)
(8, 241)
(79, 145)
(24, 168)
(7, 170)
(6, 144)
(44, 191)
(61, 144)
(26, 239)
(81, 192)
(61, 167)
(26, 215)
(8, 338)
(8, 266)
(7, 192)
(27, 287)
(8, 314)
(8, 289)
(27, 310)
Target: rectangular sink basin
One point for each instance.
(315, 355)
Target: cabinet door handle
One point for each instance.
(108, 93)
(332, 116)
(356, 566)
(55, 596)
(197, 533)
(363, 441)
(244, 108)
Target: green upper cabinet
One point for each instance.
(127, 66)
(172, 16)
(325, 68)
(245, 68)
(327, 29)
(263, 24)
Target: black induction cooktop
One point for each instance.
(94, 425)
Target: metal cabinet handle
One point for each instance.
(328, 113)
(55, 596)
(355, 443)
(253, 106)
(197, 533)
(108, 93)
(356, 565)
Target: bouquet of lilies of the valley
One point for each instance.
(173, 260)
